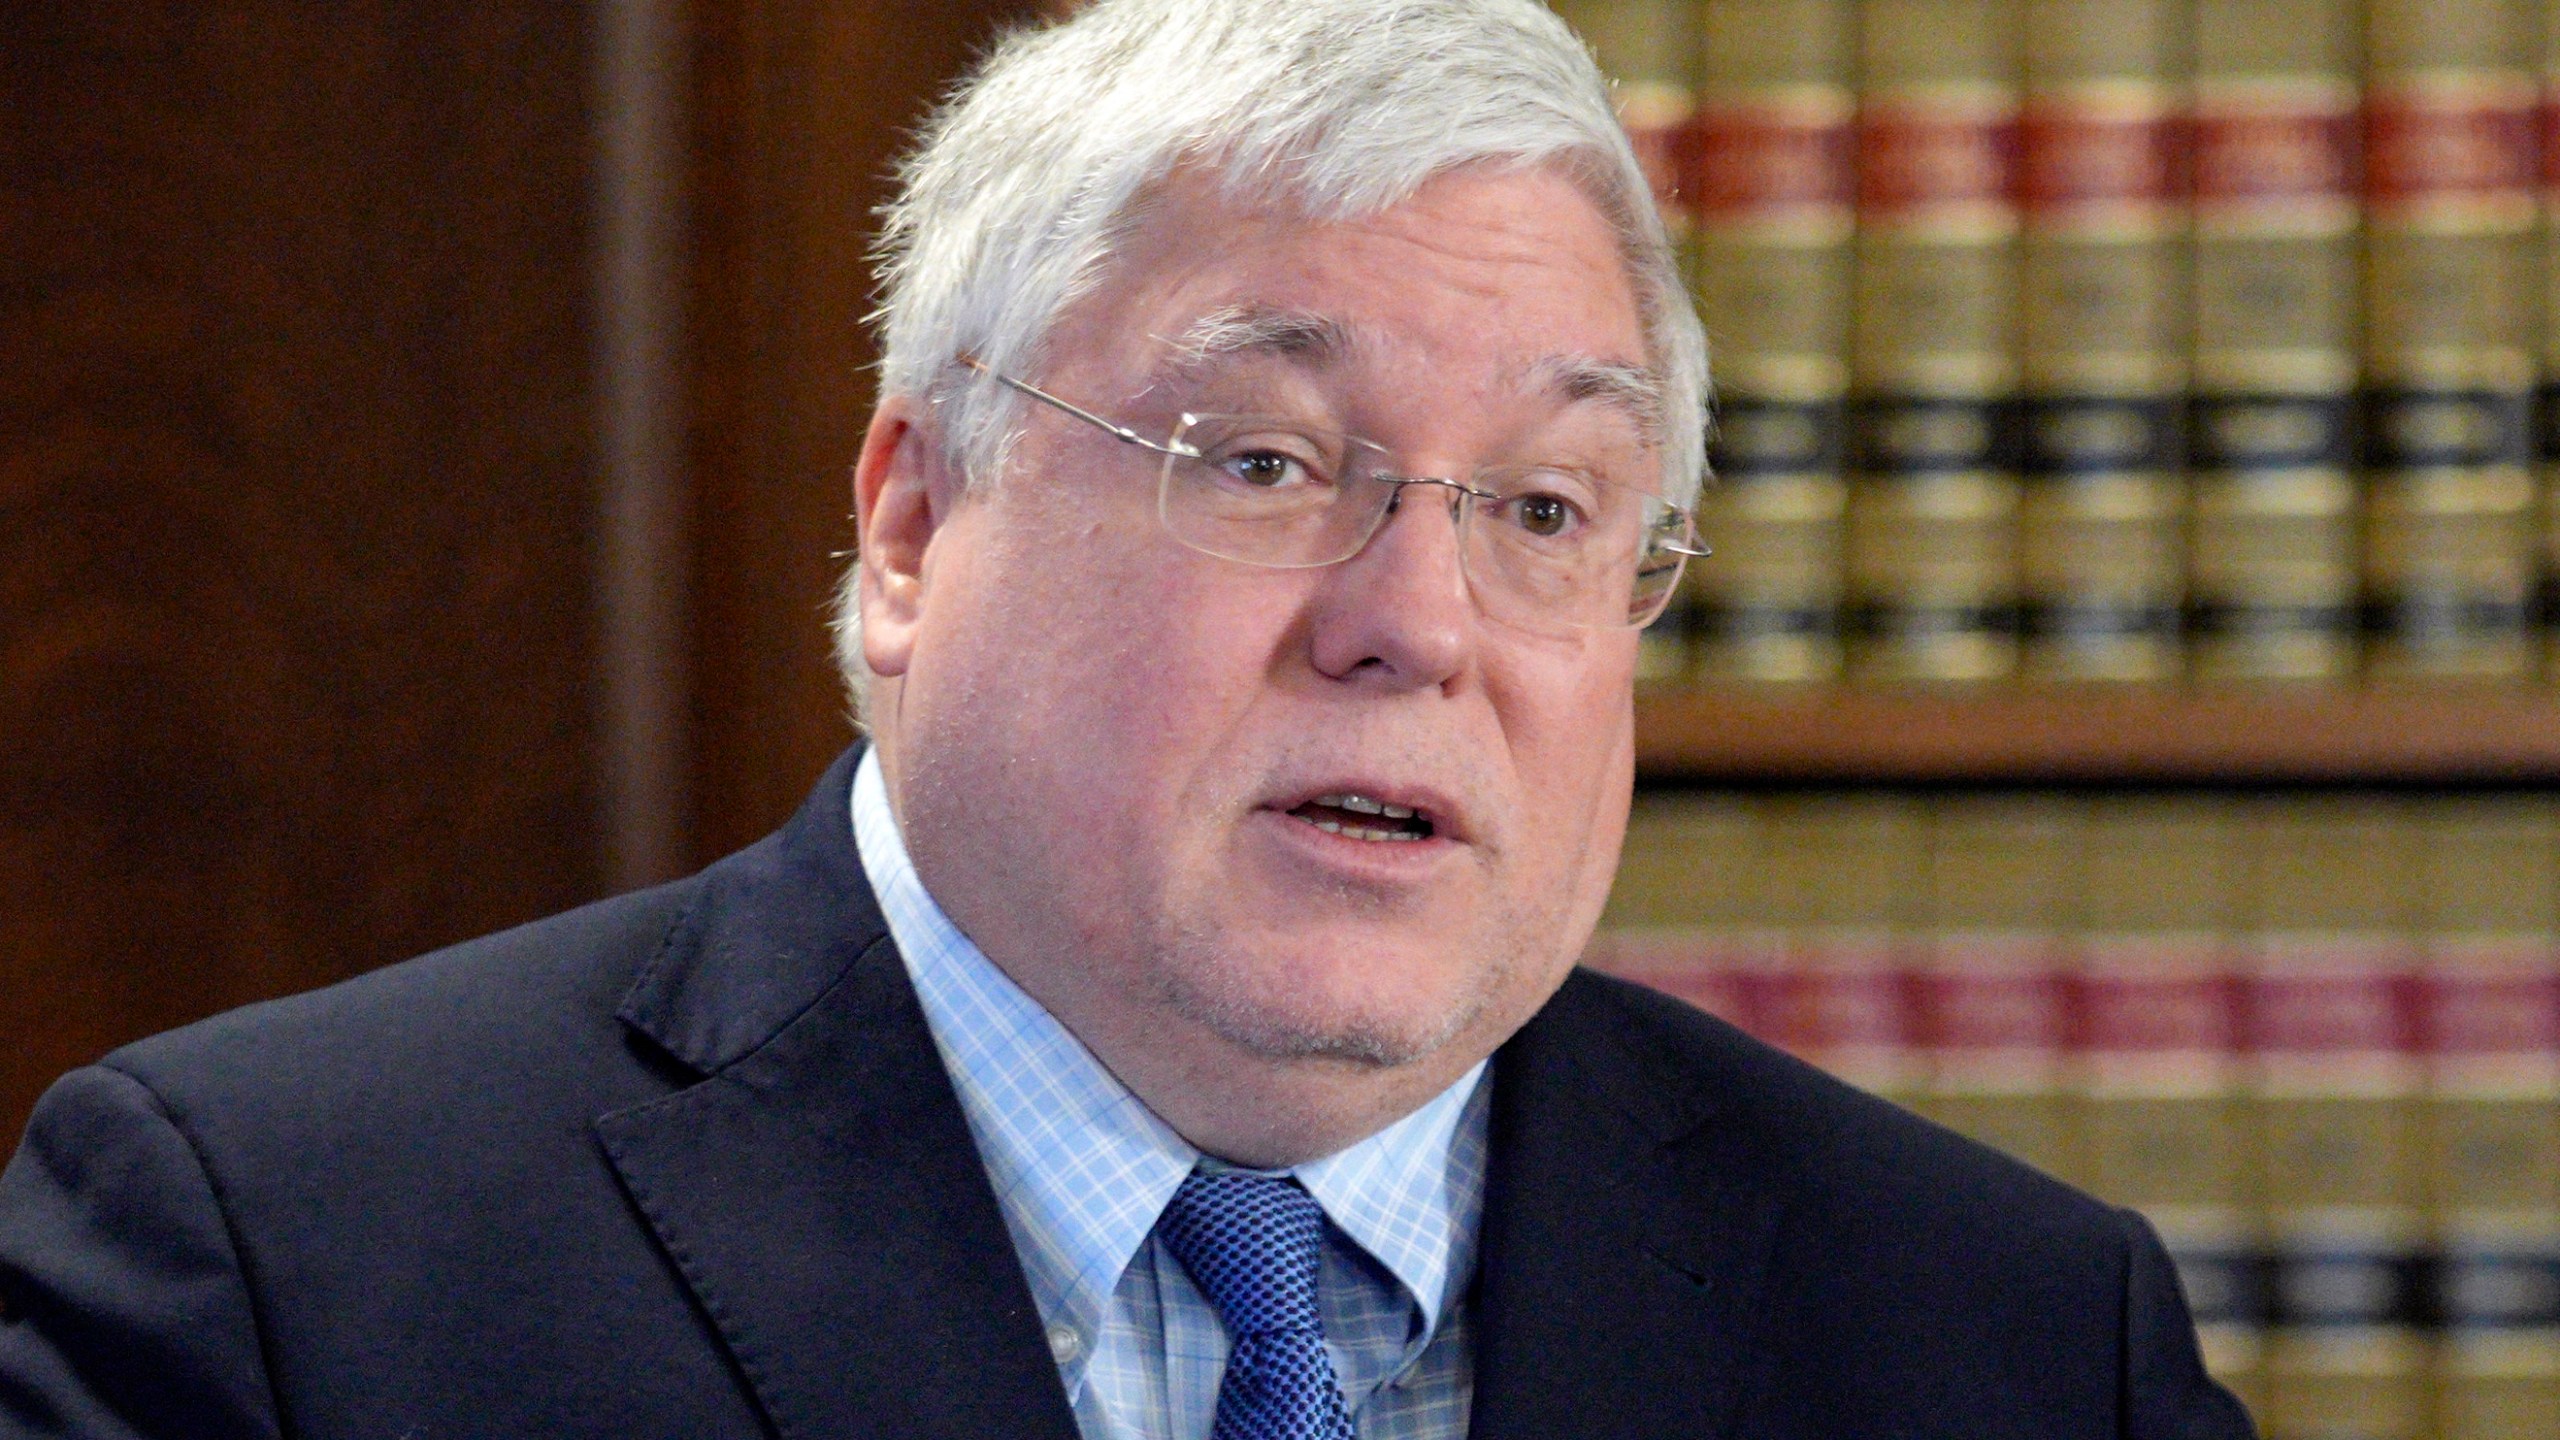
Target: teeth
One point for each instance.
(1360, 832)
(1363, 805)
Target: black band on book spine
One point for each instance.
(2074, 619)
(2239, 619)
(1756, 437)
(2342, 1283)
(2066, 435)
(2423, 617)
(1931, 435)
(2265, 432)
(1744, 621)
(2411, 426)
(2502, 1288)
(1917, 623)
(2225, 1285)
(2546, 422)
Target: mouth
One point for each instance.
(1362, 817)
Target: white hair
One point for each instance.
(1023, 183)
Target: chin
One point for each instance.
(1314, 1007)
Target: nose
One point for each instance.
(1398, 613)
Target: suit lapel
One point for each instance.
(1628, 1232)
(817, 1187)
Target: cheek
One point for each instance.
(1572, 740)
(1119, 667)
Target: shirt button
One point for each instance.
(1064, 1343)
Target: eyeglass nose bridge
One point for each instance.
(1466, 496)
(1396, 498)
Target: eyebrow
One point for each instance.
(1239, 331)
(1634, 389)
(1316, 341)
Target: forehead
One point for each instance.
(1507, 277)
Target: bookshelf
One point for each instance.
(2122, 718)
(2450, 735)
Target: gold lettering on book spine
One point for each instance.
(2273, 570)
(2103, 519)
(2334, 1090)
(1933, 501)
(2450, 169)
(1767, 170)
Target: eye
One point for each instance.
(1546, 516)
(1264, 457)
(1265, 469)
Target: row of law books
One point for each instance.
(2113, 340)
(2314, 1039)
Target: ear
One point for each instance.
(902, 492)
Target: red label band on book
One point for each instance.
(1834, 998)
(2272, 153)
(2431, 142)
(1769, 160)
(2464, 1012)
(1918, 155)
(2130, 1012)
(1719, 971)
(2546, 120)
(1990, 994)
(2330, 1009)
(2105, 154)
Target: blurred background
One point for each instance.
(424, 434)
(2121, 718)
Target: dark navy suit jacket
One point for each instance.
(686, 1164)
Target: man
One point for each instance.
(1166, 1025)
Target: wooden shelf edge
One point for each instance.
(2451, 734)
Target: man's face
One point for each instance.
(1106, 747)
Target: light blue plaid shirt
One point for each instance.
(1082, 1168)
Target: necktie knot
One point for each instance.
(1251, 1243)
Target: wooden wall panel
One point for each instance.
(299, 492)
(294, 498)
(801, 107)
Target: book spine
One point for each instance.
(1768, 175)
(2273, 549)
(1680, 917)
(1646, 48)
(2156, 1084)
(2103, 521)
(1845, 877)
(1987, 997)
(2334, 1094)
(1839, 1002)
(1721, 971)
(2546, 396)
(2155, 1065)
(2488, 1007)
(2490, 1020)
(1932, 544)
(2450, 166)
(1989, 1014)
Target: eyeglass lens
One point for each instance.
(1542, 548)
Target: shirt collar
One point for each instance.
(1082, 1168)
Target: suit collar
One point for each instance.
(774, 927)
(816, 1187)
(1629, 1226)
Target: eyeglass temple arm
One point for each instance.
(1121, 433)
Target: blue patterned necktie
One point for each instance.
(1250, 1243)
